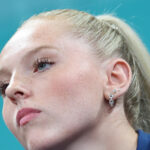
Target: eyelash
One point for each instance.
(41, 61)
(3, 86)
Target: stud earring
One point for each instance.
(111, 100)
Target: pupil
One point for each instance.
(41, 65)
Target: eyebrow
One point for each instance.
(31, 52)
(37, 49)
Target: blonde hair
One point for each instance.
(109, 36)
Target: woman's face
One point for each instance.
(52, 85)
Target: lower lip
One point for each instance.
(27, 118)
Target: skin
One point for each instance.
(72, 93)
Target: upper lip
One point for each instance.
(25, 111)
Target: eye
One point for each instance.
(3, 86)
(42, 64)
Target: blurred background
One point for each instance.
(13, 12)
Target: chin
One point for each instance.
(55, 141)
(50, 138)
(39, 144)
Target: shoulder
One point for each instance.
(143, 140)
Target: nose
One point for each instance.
(17, 90)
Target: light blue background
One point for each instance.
(14, 12)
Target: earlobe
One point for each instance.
(119, 76)
(111, 98)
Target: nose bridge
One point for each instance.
(15, 79)
(19, 78)
(18, 88)
(12, 79)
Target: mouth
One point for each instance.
(26, 115)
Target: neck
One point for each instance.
(112, 131)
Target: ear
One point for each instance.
(119, 76)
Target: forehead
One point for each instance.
(32, 33)
(36, 33)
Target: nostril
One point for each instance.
(19, 93)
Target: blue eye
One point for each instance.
(42, 64)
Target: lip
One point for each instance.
(25, 115)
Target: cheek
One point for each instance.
(8, 114)
(73, 90)
(72, 85)
(78, 98)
